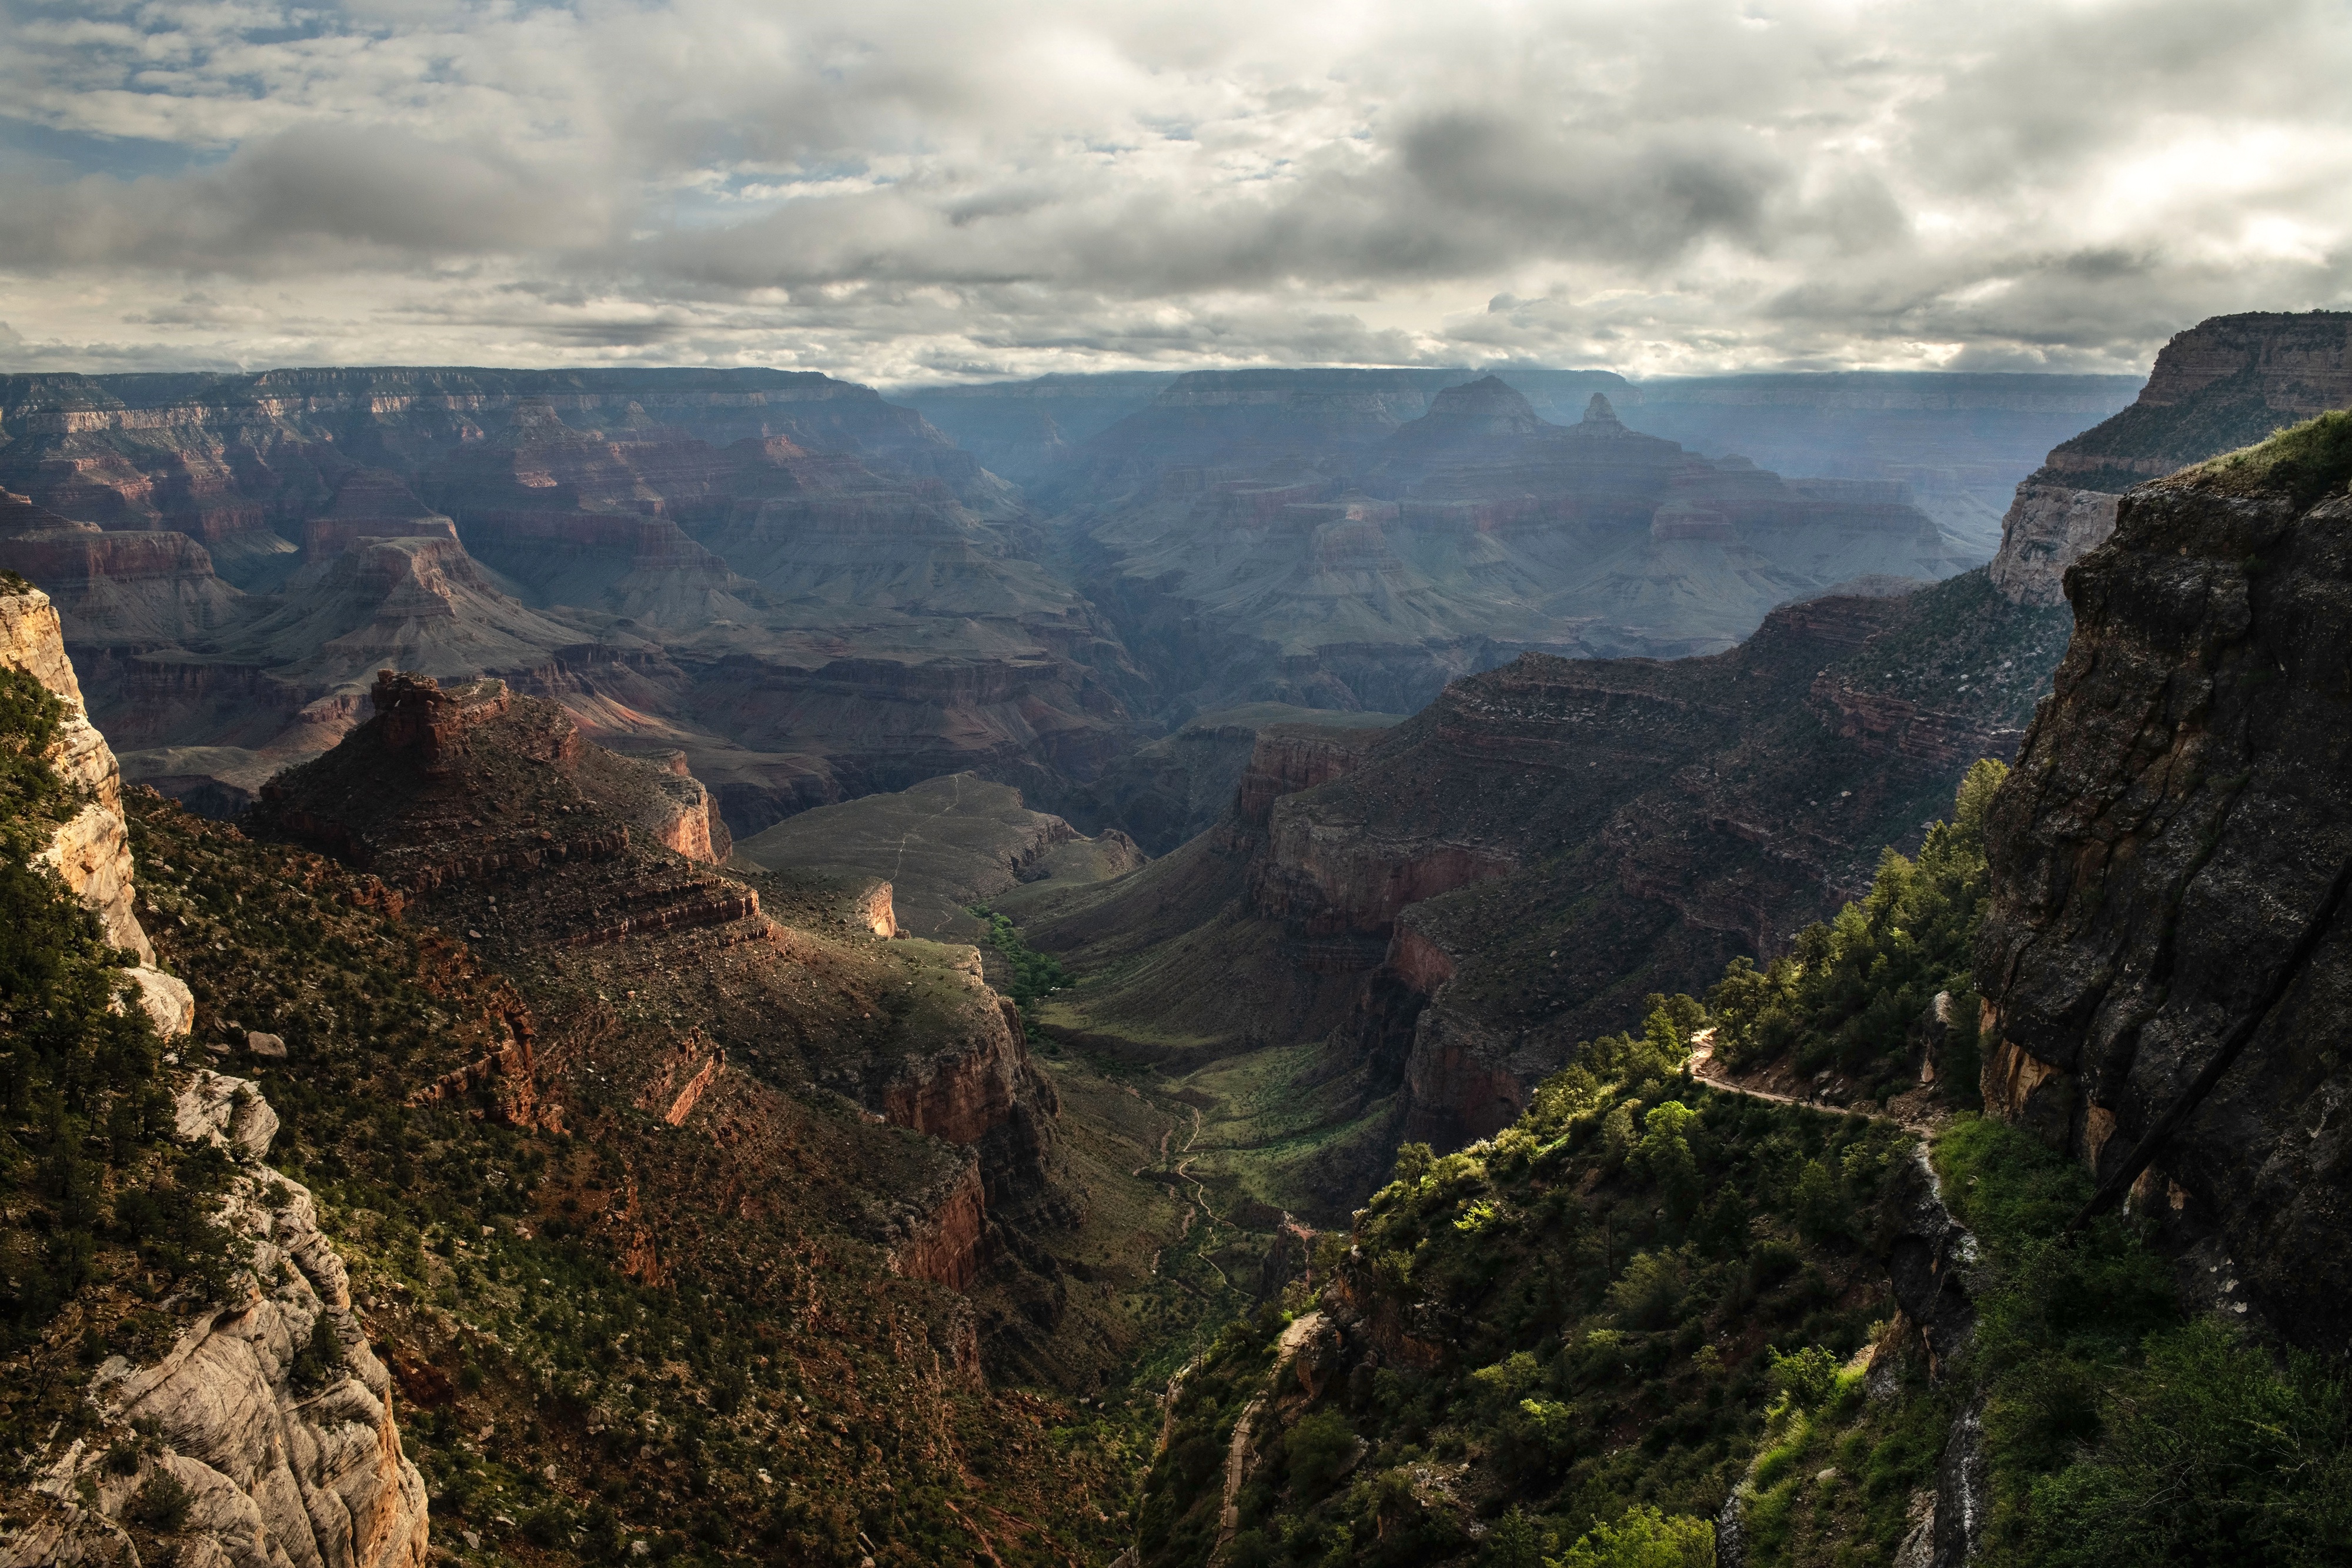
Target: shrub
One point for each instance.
(161, 1503)
(2214, 1452)
(320, 1362)
(1806, 1379)
(1644, 1538)
(1319, 1449)
(1647, 1295)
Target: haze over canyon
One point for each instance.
(1527, 786)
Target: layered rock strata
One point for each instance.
(1365, 567)
(810, 591)
(593, 873)
(2226, 382)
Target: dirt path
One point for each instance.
(1229, 1517)
(1703, 1068)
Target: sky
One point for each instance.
(901, 193)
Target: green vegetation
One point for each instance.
(94, 1191)
(1642, 1538)
(1595, 1319)
(1034, 974)
(2120, 1430)
(542, 1381)
(1566, 1346)
(1849, 990)
(2306, 460)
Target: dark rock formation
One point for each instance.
(2171, 859)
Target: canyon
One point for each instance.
(816, 594)
(618, 758)
(807, 589)
(1420, 927)
(1314, 540)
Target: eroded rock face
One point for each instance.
(2169, 859)
(230, 1112)
(2048, 528)
(288, 1463)
(92, 852)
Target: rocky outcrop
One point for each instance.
(282, 1436)
(945, 1238)
(229, 1113)
(2224, 383)
(2048, 527)
(1284, 759)
(961, 1094)
(685, 816)
(498, 820)
(2164, 962)
(91, 852)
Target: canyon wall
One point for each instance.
(808, 590)
(1302, 539)
(90, 852)
(2164, 962)
(2226, 382)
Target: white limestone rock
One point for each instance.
(166, 1000)
(91, 852)
(278, 1475)
(229, 1111)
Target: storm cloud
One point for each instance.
(902, 192)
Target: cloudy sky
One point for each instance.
(897, 191)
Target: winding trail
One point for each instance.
(1703, 1068)
(1228, 1516)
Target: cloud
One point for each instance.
(893, 189)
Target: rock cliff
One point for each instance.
(2164, 962)
(269, 1412)
(90, 853)
(275, 1467)
(2223, 383)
